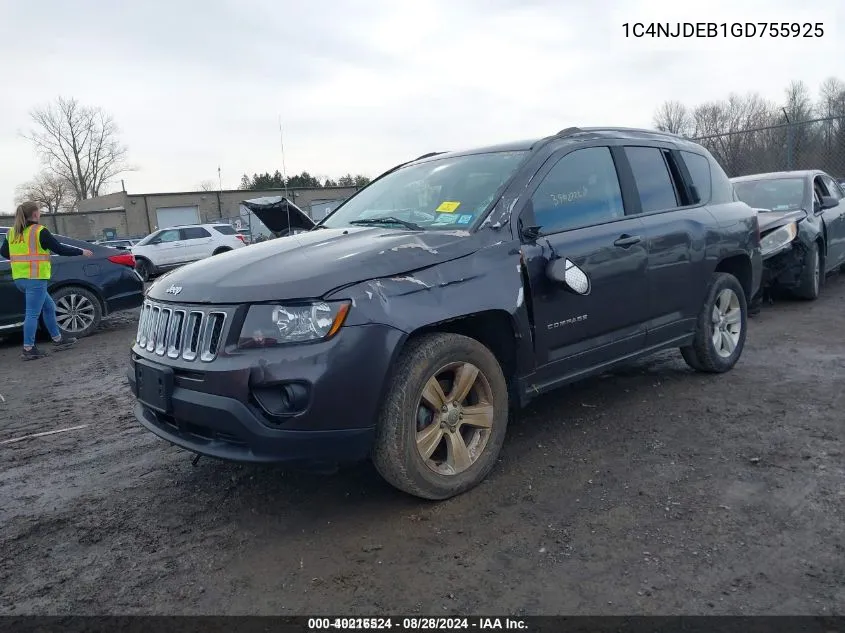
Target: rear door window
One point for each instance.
(582, 189)
(652, 177)
(225, 229)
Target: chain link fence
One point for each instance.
(813, 144)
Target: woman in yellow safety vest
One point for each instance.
(28, 245)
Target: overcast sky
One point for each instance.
(361, 86)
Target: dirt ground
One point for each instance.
(653, 490)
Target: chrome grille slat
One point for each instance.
(162, 330)
(180, 332)
(141, 337)
(155, 314)
(175, 334)
(192, 335)
(211, 335)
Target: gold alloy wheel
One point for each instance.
(453, 428)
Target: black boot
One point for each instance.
(33, 353)
(64, 343)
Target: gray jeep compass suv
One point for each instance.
(407, 324)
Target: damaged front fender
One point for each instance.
(490, 280)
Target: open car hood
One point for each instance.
(279, 214)
(774, 219)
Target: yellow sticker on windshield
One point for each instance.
(448, 207)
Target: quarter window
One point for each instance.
(195, 233)
(582, 189)
(833, 188)
(654, 183)
(699, 170)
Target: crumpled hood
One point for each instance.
(308, 265)
(773, 219)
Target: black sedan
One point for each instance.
(84, 289)
(802, 225)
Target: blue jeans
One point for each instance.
(37, 300)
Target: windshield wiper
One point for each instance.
(388, 220)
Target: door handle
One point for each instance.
(626, 240)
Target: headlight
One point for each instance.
(778, 238)
(271, 325)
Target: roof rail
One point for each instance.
(429, 155)
(576, 130)
(569, 131)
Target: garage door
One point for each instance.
(174, 216)
(321, 208)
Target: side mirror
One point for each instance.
(563, 271)
(828, 202)
(531, 233)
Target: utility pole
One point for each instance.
(790, 141)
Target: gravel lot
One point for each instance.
(653, 490)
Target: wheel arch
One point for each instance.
(739, 265)
(79, 283)
(494, 329)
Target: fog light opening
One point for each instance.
(282, 400)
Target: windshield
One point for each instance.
(438, 194)
(777, 194)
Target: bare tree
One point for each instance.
(208, 185)
(831, 98)
(79, 144)
(721, 125)
(673, 117)
(748, 134)
(799, 105)
(48, 190)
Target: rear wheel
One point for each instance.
(78, 311)
(721, 327)
(811, 274)
(222, 249)
(144, 269)
(444, 417)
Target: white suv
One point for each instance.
(175, 246)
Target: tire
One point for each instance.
(78, 311)
(703, 354)
(449, 471)
(224, 249)
(144, 269)
(809, 284)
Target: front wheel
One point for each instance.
(444, 417)
(720, 328)
(811, 274)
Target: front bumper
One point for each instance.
(784, 268)
(220, 408)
